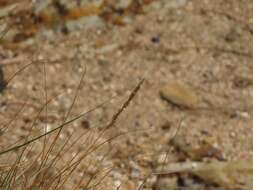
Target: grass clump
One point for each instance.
(50, 166)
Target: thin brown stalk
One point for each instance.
(166, 156)
(23, 68)
(14, 118)
(55, 129)
(103, 177)
(26, 140)
(94, 175)
(11, 61)
(18, 72)
(84, 155)
(46, 114)
(66, 117)
(13, 176)
(58, 156)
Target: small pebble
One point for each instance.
(244, 115)
(135, 173)
(180, 94)
(155, 39)
(166, 183)
(85, 124)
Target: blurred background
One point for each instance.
(189, 126)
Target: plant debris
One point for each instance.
(233, 175)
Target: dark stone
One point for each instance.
(3, 83)
(155, 39)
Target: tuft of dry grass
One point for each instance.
(48, 168)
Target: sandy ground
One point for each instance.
(205, 45)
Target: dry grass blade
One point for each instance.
(100, 181)
(38, 114)
(228, 15)
(165, 158)
(53, 130)
(18, 72)
(5, 126)
(89, 151)
(10, 178)
(4, 32)
(66, 117)
(94, 175)
(58, 155)
(11, 61)
(209, 48)
(24, 67)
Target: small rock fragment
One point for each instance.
(180, 94)
(166, 184)
(204, 150)
(135, 173)
(228, 175)
(155, 39)
(85, 124)
(242, 82)
(244, 115)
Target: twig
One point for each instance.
(11, 61)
